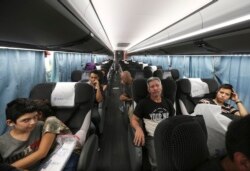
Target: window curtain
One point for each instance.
(64, 63)
(234, 70)
(181, 63)
(100, 58)
(20, 71)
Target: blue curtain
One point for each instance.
(66, 62)
(100, 58)
(234, 70)
(182, 64)
(20, 71)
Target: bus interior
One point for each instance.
(51, 41)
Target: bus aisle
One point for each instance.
(114, 153)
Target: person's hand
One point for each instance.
(96, 84)
(235, 96)
(139, 139)
(123, 97)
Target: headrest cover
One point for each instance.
(63, 95)
(198, 87)
(42, 91)
(166, 74)
(153, 68)
(144, 65)
(98, 67)
(212, 84)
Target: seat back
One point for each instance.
(169, 89)
(72, 116)
(174, 73)
(180, 143)
(139, 89)
(147, 72)
(186, 100)
(89, 155)
(158, 73)
(76, 75)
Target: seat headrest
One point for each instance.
(180, 143)
(63, 94)
(169, 89)
(144, 65)
(166, 74)
(139, 89)
(175, 74)
(185, 86)
(158, 73)
(83, 92)
(147, 73)
(212, 84)
(42, 91)
(76, 75)
(98, 67)
(153, 68)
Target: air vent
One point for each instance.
(122, 44)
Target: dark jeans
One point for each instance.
(149, 144)
(71, 165)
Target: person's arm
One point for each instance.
(104, 87)
(242, 110)
(123, 97)
(43, 149)
(139, 138)
(99, 96)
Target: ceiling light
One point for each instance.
(198, 32)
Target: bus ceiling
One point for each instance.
(134, 26)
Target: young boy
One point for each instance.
(25, 132)
(24, 110)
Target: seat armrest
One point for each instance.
(89, 154)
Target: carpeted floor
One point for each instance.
(114, 155)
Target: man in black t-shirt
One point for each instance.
(151, 110)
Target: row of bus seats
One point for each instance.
(142, 70)
(190, 131)
(72, 103)
(98, 115)
(78, 75)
